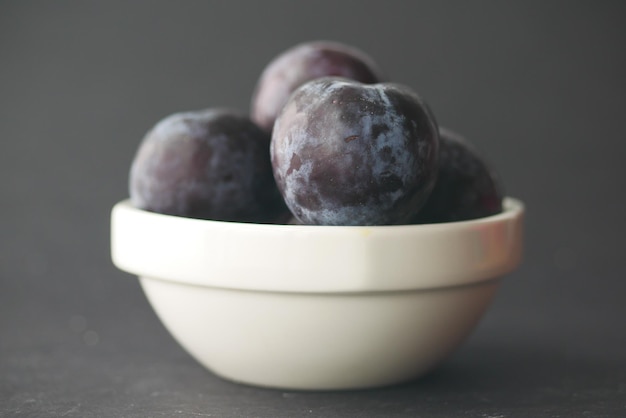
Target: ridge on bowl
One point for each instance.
(317, 307)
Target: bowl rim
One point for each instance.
(274, 257)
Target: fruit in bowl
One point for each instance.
(346, 153)
(358, 247)
(208, 164)
(300, 64)
(466, 188)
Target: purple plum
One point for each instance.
(302, 63)
(348, 153)
(209, 164)
(466, 187)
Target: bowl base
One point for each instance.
(318, 341)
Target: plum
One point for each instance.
(348, 153)
(466, 187)
(210, 164)
(302, 63)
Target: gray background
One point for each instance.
(538, 86)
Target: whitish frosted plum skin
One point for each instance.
(303, 63)
(210, 164)
(346, 153)
(466, 188)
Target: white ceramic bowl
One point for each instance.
(317, 307)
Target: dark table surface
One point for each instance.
(540, 87)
